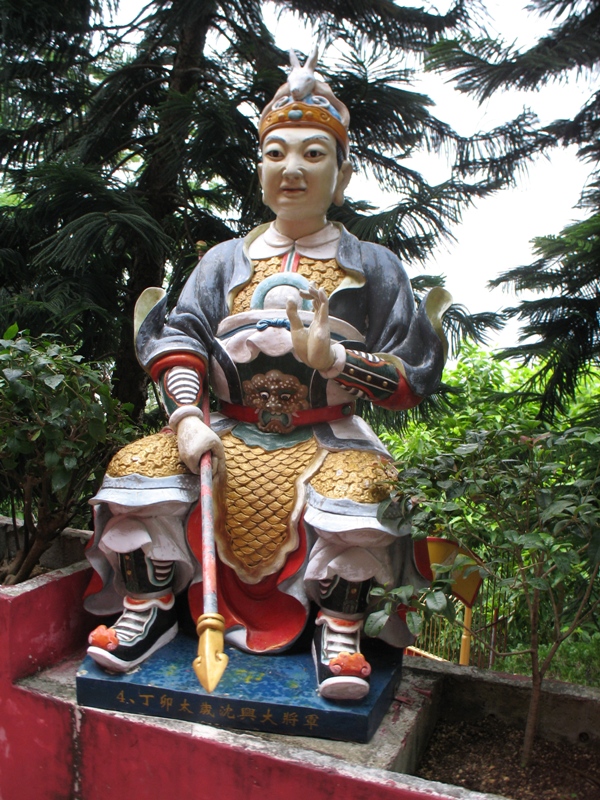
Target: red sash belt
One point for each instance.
(311, 416)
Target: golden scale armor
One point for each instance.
(261, 488)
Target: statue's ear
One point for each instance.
(294, 59)
(311, 61)
(342, 181)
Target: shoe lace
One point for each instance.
(337, 642)
(131, 624)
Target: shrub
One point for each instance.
(523, 497)
(59, 426)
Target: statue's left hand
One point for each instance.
(313, 346)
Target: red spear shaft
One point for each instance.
(211, 661)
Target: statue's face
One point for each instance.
(299, 173)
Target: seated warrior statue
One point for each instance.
(289, 325)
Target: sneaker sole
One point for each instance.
(344, 688)
(107, 660)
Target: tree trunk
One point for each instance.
(129, 379)
(532, 718)
(158, 185)
(536, 680)
(37, 550)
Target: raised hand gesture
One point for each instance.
(312, 346)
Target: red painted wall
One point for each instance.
(36, 747)
(135, 764)
(45, 621)
(41, 623)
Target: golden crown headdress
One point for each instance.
(306, 102)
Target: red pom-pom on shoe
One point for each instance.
(350, 664)
(103, 637)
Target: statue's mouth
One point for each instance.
(275, 423)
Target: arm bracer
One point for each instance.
(180, 381)
(372, 378)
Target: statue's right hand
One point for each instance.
(313, 346)
(194, 438)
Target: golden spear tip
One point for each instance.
(211, 662)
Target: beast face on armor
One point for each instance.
(276, 396)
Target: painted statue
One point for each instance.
(290, 326)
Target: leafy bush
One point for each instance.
(577, 661)
(522, 496)
(59, 426)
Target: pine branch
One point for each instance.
(483, 66)
(404, 27)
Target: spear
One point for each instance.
(211, 661)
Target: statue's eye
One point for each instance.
(264, 395)
(285, 396)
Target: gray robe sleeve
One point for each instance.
(202, 304)
(385, 310)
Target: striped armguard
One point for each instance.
(179, 378)
(371, 378)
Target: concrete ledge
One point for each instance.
(402, 736)
(396, 746)
(284, 766)
(567, 712)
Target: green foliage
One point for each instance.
(561, 326)
(560, 332)
(471, 388)
(577, 660)
(434, 601)
(58, 427)
(517, 491)
(504, 485)
(523, 496)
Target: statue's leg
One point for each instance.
(140, 552)
(342, 670)
(148, 620)
(352, 549)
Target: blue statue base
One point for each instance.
(274, 694)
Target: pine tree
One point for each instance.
(561, 327)
(126, 147)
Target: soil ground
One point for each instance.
(484, 756)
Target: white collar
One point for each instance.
(321, 245)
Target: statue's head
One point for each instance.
(304, 140)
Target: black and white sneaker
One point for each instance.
(342, 670)
(143, 628)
